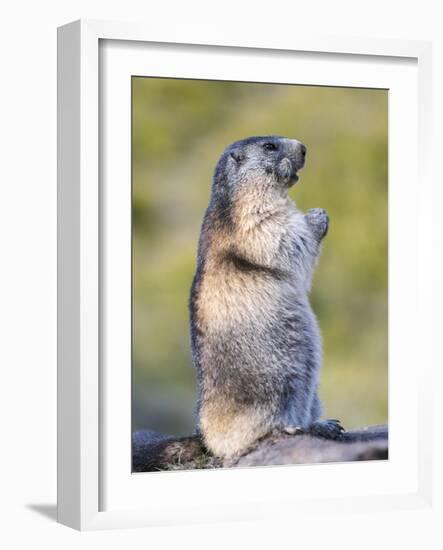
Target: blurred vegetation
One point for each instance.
(179, 129)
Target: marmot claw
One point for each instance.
(329, 429)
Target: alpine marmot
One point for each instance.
(256, 344)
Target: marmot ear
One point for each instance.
(237, 155)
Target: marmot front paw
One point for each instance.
(318, 220)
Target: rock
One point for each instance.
(154, 451)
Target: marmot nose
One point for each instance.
(303, 150)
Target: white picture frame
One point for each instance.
(95, 487)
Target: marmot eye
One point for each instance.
(269, 146)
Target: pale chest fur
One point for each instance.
(230, 297)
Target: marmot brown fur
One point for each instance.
(255, 340)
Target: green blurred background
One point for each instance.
(179, 129)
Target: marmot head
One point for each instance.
(272, 161)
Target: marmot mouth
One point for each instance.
(287, 172)
(293, 180)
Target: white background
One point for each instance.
(28, 273)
